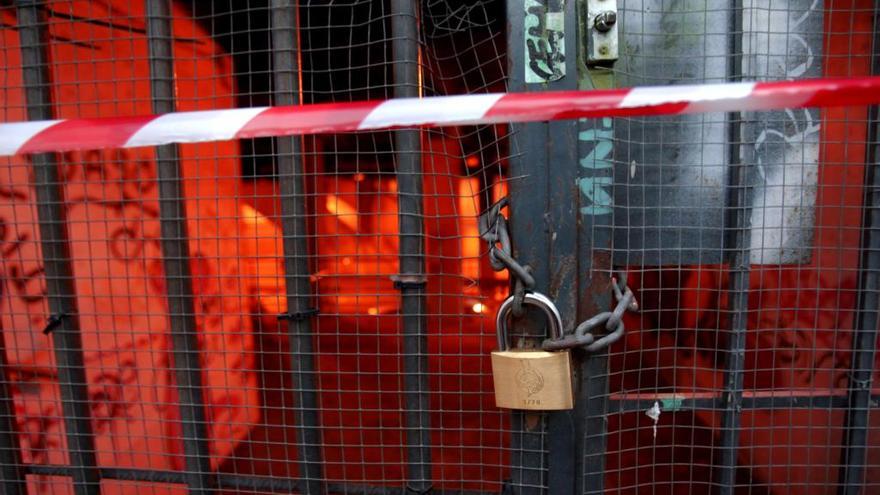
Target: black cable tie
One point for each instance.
(404, 282)
(52, 322)
(862, 384)
(409, 284)
(300, 316)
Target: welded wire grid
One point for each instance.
(252, 393)
(325, 362)
(751, 344)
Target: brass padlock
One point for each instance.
(531, 379)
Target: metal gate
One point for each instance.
(315, 314)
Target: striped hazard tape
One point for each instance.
(219, 125)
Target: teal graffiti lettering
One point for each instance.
(595, 159)
(596, 134)
(596, 187)
(597, 195)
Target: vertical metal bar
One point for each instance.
(738, 304)
(853, 455)
(528, 195)
(543, 224)
(12, 471)
(595, 176)
(293, 222)
(561, 224)
(594, 244)
(405, 49)
(61, 293)
(527, 187)
(738, 239)
(175, 252)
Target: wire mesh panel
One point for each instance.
(747, 363)
(315, 314)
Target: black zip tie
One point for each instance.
(408, 284)
(863, 384)
(52, 322)
(860, 384)
(404, 282)
(300, 316)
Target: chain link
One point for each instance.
(519, 294)
(612, 321)
(493, 229)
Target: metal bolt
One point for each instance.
(605, 20)
(603, 50)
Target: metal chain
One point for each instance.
(493, 229)
(612, 321)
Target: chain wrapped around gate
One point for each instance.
(494, 230)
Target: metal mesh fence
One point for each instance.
(316, 314)
(775, 323)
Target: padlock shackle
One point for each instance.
(554, 319)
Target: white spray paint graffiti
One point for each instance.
(782, 44)
(670, 208)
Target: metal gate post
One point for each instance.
(738, 241)
(296, 262)
(60, 288)
(738, 305)
(595, 200)
(853, 455)
(176, 257)
(542, 47)
(411, 281)
(594, 243)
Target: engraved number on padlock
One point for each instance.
(531, 379)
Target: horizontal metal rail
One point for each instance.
(234, 481)
(750, 400)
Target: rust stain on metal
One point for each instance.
(600, 281)
(567, 265)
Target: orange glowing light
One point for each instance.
(344, 211)
(121, 289)
(472, 161)
(262, 253)
(470, 233)
(479, 308)
(499, 190)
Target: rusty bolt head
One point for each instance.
(605, 20)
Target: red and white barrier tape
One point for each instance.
(219, 125)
